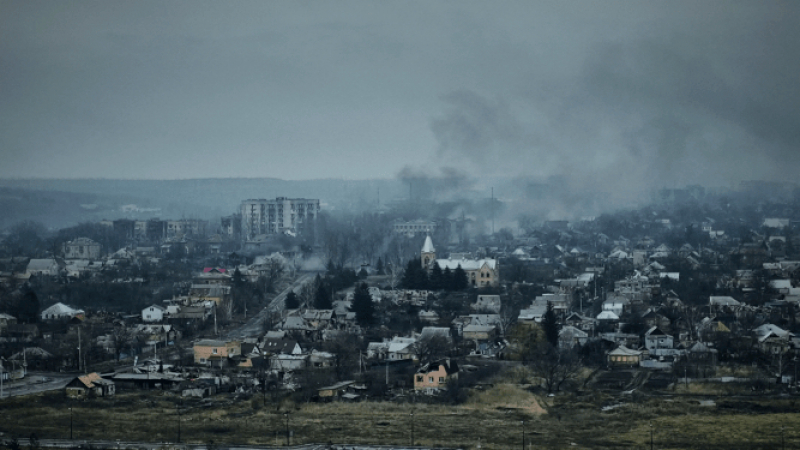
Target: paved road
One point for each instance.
(114, 444)
(253, 327)
(35, 382)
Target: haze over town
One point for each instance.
(418, 224)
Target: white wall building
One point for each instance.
(81, 248)
(153, 313)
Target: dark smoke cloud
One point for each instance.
(704, 104)
(444, 183)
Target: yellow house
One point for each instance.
(624, 356)
(435, 375)
(480, 272)
(209, 350)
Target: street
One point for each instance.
(253, 327)
(35, 382)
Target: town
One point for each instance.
(692, 296)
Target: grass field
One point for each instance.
(491, 418)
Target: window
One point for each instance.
(419, 378)
(441, 379)
(430, 379)
(214, 351)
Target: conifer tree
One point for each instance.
(550, 325)
(362, 305)
(379, 267)
(292, 302)
(460, 281)
(436, 279)
(322, 297)
(447, 279)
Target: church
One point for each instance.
(480, 272)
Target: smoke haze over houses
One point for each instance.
(610, 97)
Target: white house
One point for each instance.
(60, 311)
(47, 267)
(153, 313)
(616, 304)
(655, 339)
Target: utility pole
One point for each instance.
(79, 350)
(70, 423)
(651, 435)
(179, 420)
(287, 427)
(523, 434)
(412, 427)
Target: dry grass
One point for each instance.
(492, 417)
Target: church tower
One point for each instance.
(428, 254)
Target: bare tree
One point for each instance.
(433, 348)
(555, 366)
(120, 339)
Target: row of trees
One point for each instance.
(416, 277)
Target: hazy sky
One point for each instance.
(625, 94)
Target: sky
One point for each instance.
(621, 95)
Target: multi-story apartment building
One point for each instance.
(186, 227)
(231, 226)
(261, 216)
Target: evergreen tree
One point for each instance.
(379, 267)
(436, 280)
(447, 279)
(362, 305)
(322, 297)
(237, 282)
(362, 274)
(415, 276)
(460, 281)
(29, 308)
(292, 302)
(550, 325)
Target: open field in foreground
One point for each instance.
(491, 419)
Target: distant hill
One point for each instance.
(64, 202)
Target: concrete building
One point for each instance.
(414, 227)
(231, 226)
(293, 215)
(152, 230)
(81, 248)
(186, 227)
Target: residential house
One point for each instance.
(581, 322)
(280, 346)
(569, 337)
(5, 321)
(335, 390)
(45, 267)
(60, 311)
(215, 352)
(90, 385)
(623, 356)
(153, 313)
(655, 340)
(435, 375)
(616, 304)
